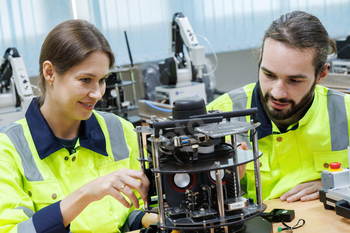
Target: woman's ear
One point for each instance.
(49, 72)
(324, 73)
(260, 56)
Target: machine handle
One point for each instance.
(342, 208)
(193, 122)
(236, 113)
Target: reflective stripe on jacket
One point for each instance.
(300, 154)
(37, 172)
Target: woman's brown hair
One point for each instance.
(69, 44)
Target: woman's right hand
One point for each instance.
(118, 182)
(113, 184)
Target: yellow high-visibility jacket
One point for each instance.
(301, 153)
(36, 172)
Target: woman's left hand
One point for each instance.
(148, 219)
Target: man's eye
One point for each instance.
(295, 81)
(269, 75)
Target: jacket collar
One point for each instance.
(266, 128)
(91, 135)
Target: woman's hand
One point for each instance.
(113, 184)
(148, 219)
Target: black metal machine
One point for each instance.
(115, 99)
(194, 173)
(181, 74)
(335, 191)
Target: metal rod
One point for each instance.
(234, 141)
(155, 151)
(141, 151)
(211, 229)
(236, 175)
(219, 190)
(226, 229)
(133, 86)
(220, 195)
(257, 167)
(117, 93)
(142, 157)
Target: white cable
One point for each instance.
(35, 87)
(74, 9)
(216, 58)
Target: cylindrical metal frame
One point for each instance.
(219, 191)
(155, 140)
(254, 133)
(236, 177)
(142, 157)
(158, 179)
(220, 195)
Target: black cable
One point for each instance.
(293, 227)
(176, 158)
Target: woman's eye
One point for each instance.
(102, 80)
(85, 80)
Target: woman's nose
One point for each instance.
(96, 92)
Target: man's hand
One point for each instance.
(304, 192)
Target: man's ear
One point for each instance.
(49, 72)
(324, 73)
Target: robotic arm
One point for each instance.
(15, 90)
(178, 68)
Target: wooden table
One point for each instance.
(317, 218)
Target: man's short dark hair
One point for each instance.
(302, 30)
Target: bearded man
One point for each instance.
(304, 126)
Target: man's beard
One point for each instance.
(277, 114)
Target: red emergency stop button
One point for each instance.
(335, 167)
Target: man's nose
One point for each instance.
(279, 90)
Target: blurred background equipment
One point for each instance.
(181, 75)
(343, 47)
(177, 73)
(15, 89)
(115, 99)
(339, 75)
(220, 21)
(341, 64)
